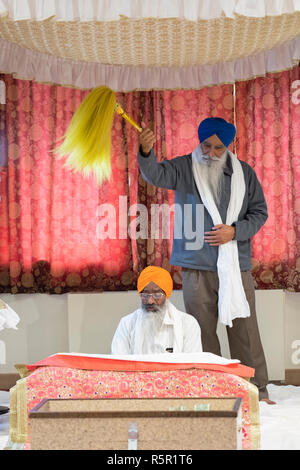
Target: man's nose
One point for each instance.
(212, 153)
(150, 299)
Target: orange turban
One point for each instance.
(159, 276)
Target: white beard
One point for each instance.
(151, 324)
(212, 171)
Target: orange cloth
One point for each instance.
(159, 276)
(98, 363)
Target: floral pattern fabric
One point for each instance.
(268, 138)
(50, 217)
(63, 383)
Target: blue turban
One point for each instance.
(223, 129)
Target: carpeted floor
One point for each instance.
(280, 423)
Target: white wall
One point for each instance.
(86, 323)
(43, 329)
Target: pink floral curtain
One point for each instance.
(50, 218)
(268, 138)
(49, 215)
(176, 116)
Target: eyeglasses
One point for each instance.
(155, 295)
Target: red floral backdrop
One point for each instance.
(50, 217)
(268, 138)
(175, 122)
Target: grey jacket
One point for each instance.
(177, 174)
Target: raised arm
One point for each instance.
(164, 174)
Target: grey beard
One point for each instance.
(212, 170)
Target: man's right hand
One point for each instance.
(146, 139)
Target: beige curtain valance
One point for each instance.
(24, 64)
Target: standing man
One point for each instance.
(216, 279)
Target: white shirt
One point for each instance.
(180, 331)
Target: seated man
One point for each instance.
(157, 327)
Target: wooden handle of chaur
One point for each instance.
(119, 110)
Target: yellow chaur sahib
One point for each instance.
(87, 141)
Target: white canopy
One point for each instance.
(111, 10)
(160, 44)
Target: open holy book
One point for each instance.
(145, 362)
(180, 358)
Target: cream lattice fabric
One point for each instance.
(135, 47)
(153, 42)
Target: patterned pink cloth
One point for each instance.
(49, 216)
(49, 228)
(60, 382)
(268, 138)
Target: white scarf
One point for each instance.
(232, 299)
(8, 317)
